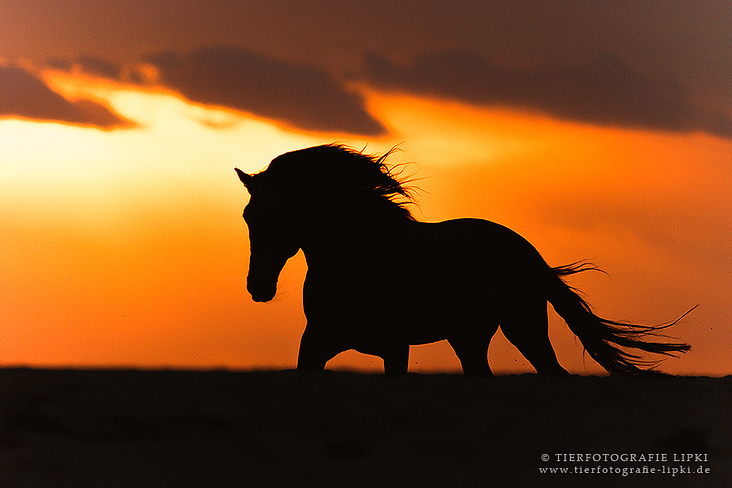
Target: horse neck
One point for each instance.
(329, 234)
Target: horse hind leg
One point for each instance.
(528, 330)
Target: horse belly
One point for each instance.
(356, 311)
(443, 315)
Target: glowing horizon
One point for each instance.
(125, 247)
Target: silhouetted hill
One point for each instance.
(76, 428)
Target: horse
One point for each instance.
(378, 280)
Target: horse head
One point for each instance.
(272, 236)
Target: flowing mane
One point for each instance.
(334, 170)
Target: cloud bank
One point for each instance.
(604, 92)
(22, 95)
(303, 96)
(536, 55)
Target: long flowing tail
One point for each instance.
(605, 340)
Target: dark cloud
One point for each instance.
(59, 64)
(303, 96)
(100, 67)
(22, 95)
(605, 91)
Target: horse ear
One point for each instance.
(245, 178)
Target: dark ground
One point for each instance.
(112, 428)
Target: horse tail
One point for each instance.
(607, 341)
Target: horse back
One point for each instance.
(465, 268)
(472, 247)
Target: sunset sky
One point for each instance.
(597, 130)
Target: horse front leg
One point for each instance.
(396, 360)
(316, 350)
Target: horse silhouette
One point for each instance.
(378, 280)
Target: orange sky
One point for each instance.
(123, 245)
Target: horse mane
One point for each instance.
(335, 170)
